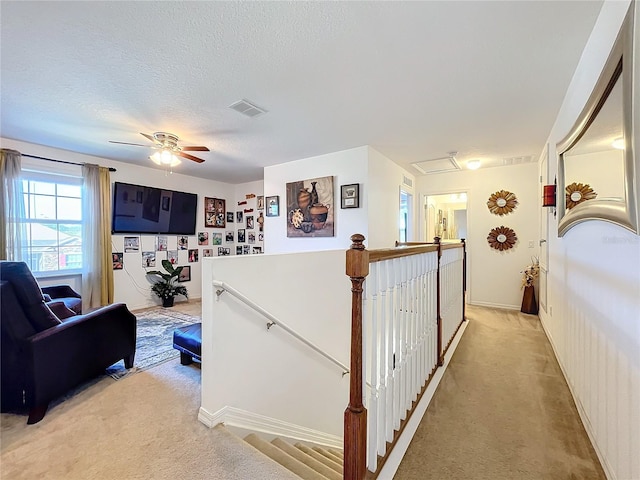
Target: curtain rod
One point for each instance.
(111, 169)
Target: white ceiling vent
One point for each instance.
(407, 181)
(438, 165)
(517, 160)
(247, 108)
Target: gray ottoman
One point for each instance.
(188, 340)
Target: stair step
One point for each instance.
(330, 462)
(329, 455)
(336, 452)
(307, 459)
(283, 458)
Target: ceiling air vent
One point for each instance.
(438, 165)
(247, 108)
(407, 181)
(517, 160)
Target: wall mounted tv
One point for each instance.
(138, 209)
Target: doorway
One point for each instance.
(446, 216)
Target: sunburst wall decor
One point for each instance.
(577, 193)
(502, 202)
(502, 238)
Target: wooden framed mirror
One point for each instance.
(598, 175)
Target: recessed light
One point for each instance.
(473, 164)
(618, 144)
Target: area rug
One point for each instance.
(154, 344)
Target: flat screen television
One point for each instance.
(139, 209)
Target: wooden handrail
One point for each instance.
(388, 253)
(355, 416)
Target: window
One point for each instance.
(53, 222)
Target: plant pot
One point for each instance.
(167, 302)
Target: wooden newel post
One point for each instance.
(355, 416)
(436, 240)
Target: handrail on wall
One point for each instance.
(223, 287)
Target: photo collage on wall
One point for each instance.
(249, 219)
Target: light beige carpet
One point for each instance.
(502, 411)
(141, 427)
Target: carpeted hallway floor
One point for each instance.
(502, 411)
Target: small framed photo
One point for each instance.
(185, 274)
(260, 203)
(207, 252)
(117, 260)
(273, 206)
(241, 233)
(230, 217)
(350, 195)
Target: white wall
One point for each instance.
(493, 277)
(248, 367)
(347, 166)
(383, 191)
(593, 320)
(131, 284)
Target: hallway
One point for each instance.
(502, 411)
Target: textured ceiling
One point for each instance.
(415, 80)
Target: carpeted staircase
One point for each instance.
(309, 463)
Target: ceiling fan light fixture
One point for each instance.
(165, 158)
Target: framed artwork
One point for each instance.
(183, 242)
(256, 250)
(260, 203)
(117, 260)
(350, 196)
(239, 216)
(238, 249)
(273, 206)
(148, 259)
(131, 244)
(185, 274)
(215, 212)
(250, 224)
(310, 206)
(193, 255)
(172, 256)
(216, 239)
(161, 243)
(251, 237)
(229, 236)
(241, 233)
(207, 252)
(230, 217)
(203, 238)
(246, 249)
(223, 251)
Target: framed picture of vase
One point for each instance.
(310, 208)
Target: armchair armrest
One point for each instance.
(60, 291)
(63, 356)
(60, 310)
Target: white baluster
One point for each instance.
(390, 280)
(372, 416)
(382, 344)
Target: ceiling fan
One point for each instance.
(168, 148)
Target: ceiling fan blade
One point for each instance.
(190, 157)
(127, 143)
(149, 137)
(195, 149)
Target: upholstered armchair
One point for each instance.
(44, 357)
(64, 294)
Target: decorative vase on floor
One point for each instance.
(529, 304)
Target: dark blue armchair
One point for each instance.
(43, 357)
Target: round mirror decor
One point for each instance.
(502, 202)
(502, 238)
(576, 193)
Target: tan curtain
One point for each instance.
(12, 233)
(97, 279)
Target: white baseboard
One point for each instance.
(495, 305)
(606, 466)
(395, 457)
(236, 417)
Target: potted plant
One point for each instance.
(166, 288)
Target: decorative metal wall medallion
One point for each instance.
(502, 202)
(502, 238)
(577, 193)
